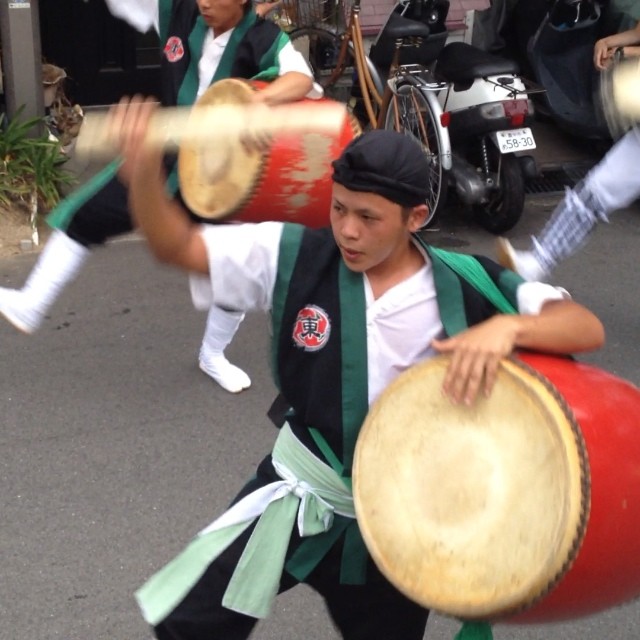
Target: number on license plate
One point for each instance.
(515, 140)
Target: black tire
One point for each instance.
(321, 49)
(503, 209)
(415, 118)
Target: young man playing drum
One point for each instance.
(202, 42)
(352, 307)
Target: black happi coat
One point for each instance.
(251, 52)
(320, 354)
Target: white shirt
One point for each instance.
(243, 262)
(143, 15)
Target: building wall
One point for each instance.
(375, 12)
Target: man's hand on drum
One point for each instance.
(128, 125)
(289, 87)
(475, 357)
(560, 326)
(255, 137)
(602, 54)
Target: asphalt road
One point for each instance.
(116, 449)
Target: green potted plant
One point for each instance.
(32, 170)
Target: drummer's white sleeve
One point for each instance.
(290, 59)
(142, 15)
(532, 295)
(243, 262)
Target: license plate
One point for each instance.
(514, 140)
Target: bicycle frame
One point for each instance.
(352, 38)
(377, 98)
(405, 101)
(419, 76)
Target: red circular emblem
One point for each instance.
(312, 328)
(174, 50)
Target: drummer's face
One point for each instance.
(371, 231)
(221, 15)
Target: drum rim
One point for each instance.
(511, 365)
(585, 493)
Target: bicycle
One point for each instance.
(405, 101)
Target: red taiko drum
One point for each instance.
(290, 181)
(524, 507)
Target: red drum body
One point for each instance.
(523, 508)
(606, 570)
(290, 181)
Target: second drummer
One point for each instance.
(352, 306)
(202, 42)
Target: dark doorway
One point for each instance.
(104, 57)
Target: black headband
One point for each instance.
(388, 163)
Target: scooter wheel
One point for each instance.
(505, 203)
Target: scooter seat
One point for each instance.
(398, 27)
(462, 63)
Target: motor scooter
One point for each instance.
(486, 108)
(557, 39)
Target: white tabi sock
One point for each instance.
(58, 264)
(221, 327)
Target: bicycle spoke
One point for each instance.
(409, 113)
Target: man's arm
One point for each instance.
(561, 327)
(604, 48)
(292, 65)
(288, 87)
(172, 236)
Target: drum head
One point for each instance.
(216, 182)
(472, 511)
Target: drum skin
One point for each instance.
(289, 182)
(521, 508)
(606, 571)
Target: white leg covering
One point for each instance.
(221, 327)
(524, 263)
(58, 264)
(610, 185)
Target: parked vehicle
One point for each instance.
(486, 108)
(396, 97)
(556, 41)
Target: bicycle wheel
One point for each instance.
(321, 49)
(409, 113)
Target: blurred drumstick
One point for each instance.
(626, 88)
(620, 95)
(202, 126)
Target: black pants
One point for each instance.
(373, 611)
(105, 215)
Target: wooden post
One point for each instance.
(21, 53)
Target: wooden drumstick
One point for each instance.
(198, 126)
(625, 85)
(620, 97)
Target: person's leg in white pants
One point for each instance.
(611, 185)
(221, 327)
(60, 261)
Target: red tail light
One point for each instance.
(516, 107)
(445, 118)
